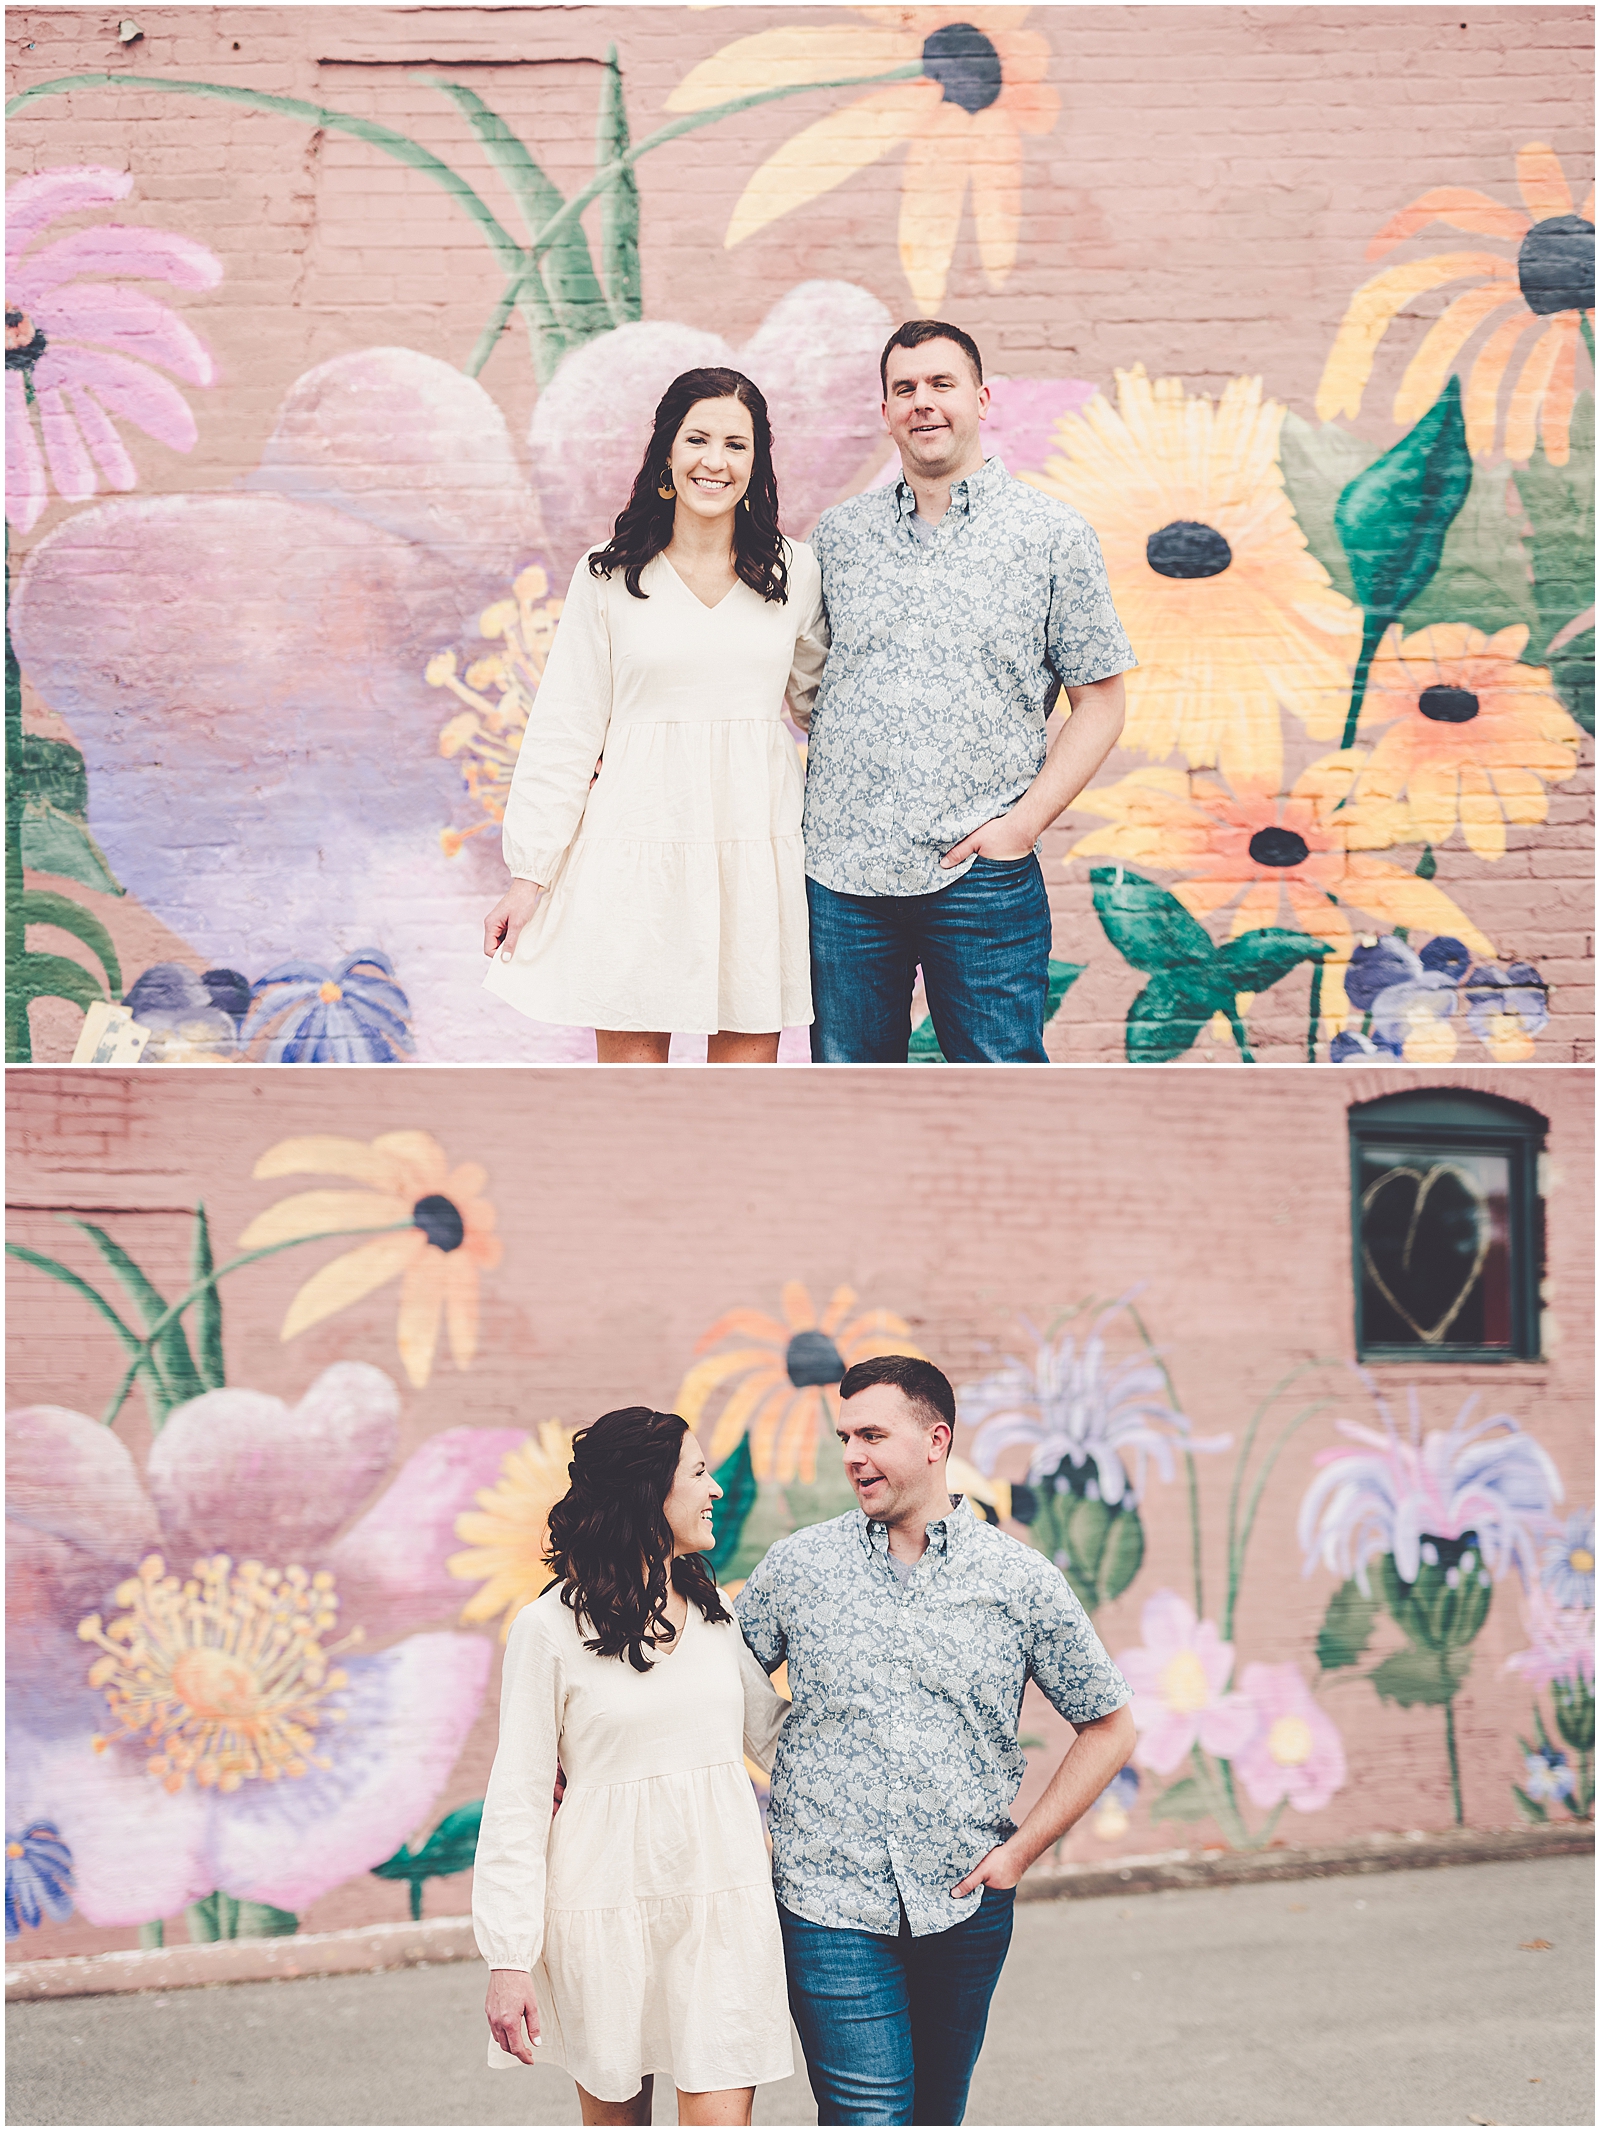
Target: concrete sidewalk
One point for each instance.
(1400, 1998)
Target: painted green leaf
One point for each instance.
(1166, 1018)
(737, 1478)
(39, 976)
(1430, 1677)
(1184, 1800)
(219, 1916)
(1258, 959)
(41, 906)
(1122, 1555)
(1318, 464)
(1574, 1707)
(1559, 501)
(619, 206)
(1529, 1808)
(1484, 575)
(1393, 517)
(208, 1310)
(177, 1364)
(1147, 926)
(54, 841)
(150, 1374)
(54, 771)
(1346, 1627)
(923, 1048)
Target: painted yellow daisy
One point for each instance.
(961, 88)
(507, 1533)
(1298, 858)
(1474, 735)
(1550, 283)
(446, 1240)
(1229, 612)
(781, 1378)
(497, 691)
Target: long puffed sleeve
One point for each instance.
(508, 1876)
(764, 1708)
(566, 736)
(811, 635)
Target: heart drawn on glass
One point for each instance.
(1404, 1268)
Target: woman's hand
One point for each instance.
(506, 920)
(511, 2006)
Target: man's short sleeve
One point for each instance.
(757, 1612)
(1085, 640)
(1067, 1658)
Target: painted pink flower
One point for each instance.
(1560, 1640)
(219, 1671)
(1400, 1492)
(1295, 1752)
(79, 353)
(1179, 1677)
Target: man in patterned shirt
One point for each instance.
(962, 604)
(910, 1628)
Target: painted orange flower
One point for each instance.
(1550, 282)
(1230, 613)
(442, 1236)
(1474, 736)
(782, 1377)
(1300, 858)
(961, 88)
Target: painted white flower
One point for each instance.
(1399, 1493)
(1072, 1404)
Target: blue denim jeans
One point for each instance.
(891, 2028)
(984, 946)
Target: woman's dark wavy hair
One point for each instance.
(610, 1543)
(644, 526)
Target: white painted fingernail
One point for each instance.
(505, 954)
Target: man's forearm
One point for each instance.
(1086, 1767)
(1083, 743)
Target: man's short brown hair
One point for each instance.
(917, 1381)
(916, 332)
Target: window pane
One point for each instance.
(1435, 1248)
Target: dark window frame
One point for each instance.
(1444, 1120)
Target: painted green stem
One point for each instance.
(1586, 328)
(1314, 1019)
(1235, 1545)
(1188, 1459)
(1372, 628)
(19, 1035)
(606, 176)
(171, 1315)
(131, 1341)
(1239, 1037)
(1455, 1765)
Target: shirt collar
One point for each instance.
(968, 494)
(943, 1532)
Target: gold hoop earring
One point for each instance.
(664, 488)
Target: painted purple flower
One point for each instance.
(1399, 1493)
(1179, 1677)
(38, 1878)
(1566, 1561)
(1071, 1404)
(217, 1679)
(1547, 1775)
(79, 353)
(1506, 1009)
(1295, 1752)
(353, 1015)
(1110, 1813)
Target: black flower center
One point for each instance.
(1279, 847)
(439, 1221)
(1556, 265)
(1448, 706)
(25, 343)
(1187, 549)
(1449, 1553)
(812, 1358)
(966, 66)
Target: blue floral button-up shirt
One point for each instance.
(896, 1769)
(947, 656)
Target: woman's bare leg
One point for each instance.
(725, 2105)
(732, 1047)
(630, 1047)
(636, 2111)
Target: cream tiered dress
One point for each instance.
(644, 1911)
(677, 896)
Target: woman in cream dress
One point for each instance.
(636, 1932)
(653, 824)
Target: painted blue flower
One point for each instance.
(1351, 1044)
(1404, 1009)
(38, 1877)
(193, 1018)
(1374, 969)
(1547, 1778)
(1566, 1561)
(1445, 957)
(1123, 1787)
(1515, 994)
(353, 1015)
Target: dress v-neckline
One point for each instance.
(694, 595)
(673, 1649)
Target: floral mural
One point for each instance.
(1365, 681)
